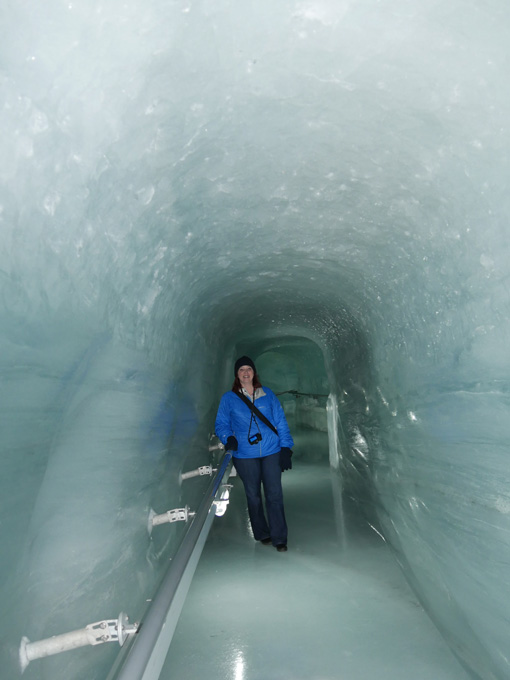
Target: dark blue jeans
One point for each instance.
(266, 471)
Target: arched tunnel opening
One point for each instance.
(322, 184)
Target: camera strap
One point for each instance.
(255, 410)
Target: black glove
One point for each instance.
(231, 444)
(285, 459)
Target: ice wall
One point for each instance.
(179, 179)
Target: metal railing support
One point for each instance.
(111, 630)
(145, 657)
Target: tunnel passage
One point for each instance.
(200, 182)
(294, 369)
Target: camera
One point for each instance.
(255, 438)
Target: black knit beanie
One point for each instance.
(243, 361)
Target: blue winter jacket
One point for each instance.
(233, 419)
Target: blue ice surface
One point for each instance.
(330, 196)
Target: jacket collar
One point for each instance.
(259, 392)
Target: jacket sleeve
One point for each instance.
(223, 424)
(280, 422)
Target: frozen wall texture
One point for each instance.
(182, 180)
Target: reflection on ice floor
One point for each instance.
(334, 607)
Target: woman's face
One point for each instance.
(245, 374)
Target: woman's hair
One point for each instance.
(236, 385)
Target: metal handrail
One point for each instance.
(142, 658)
(301, 394)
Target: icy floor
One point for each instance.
(334, 607)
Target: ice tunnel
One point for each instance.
(322, 183)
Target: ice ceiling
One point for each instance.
(182, 180)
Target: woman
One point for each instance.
(260, 454)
